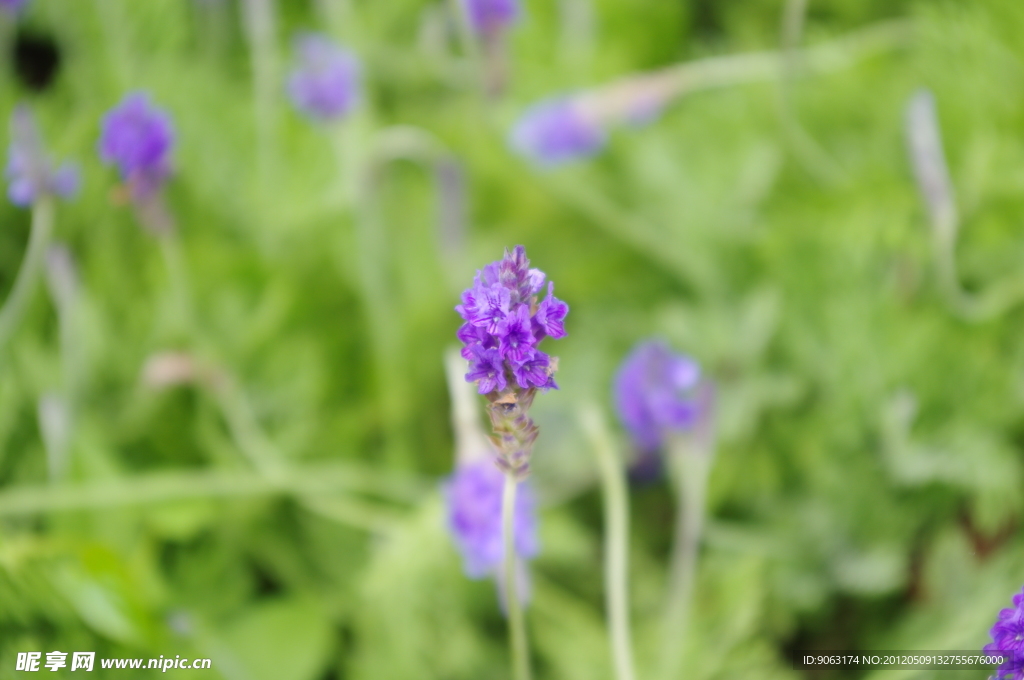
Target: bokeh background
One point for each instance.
(866, 491)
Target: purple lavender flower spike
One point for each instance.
(1008, 640)
(473, 497)
(325, 85)
(504, 324)
(655, 394)
(555, 132)
(137, 137)
(29, 170)
(487, 17)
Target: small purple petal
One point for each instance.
(487, 369)
(533, 370)
(551, 314)
(515, 335)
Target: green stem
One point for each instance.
(689, 472)
(28, 276)
(616, 558)
(516, 621)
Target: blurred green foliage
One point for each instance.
(867, 489)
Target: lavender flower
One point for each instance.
(501, 311)
(325, 85)
(473, 496)
(1008, 640)
(503, 326)
(29, 171)
(656, 394)
(487, 17)
(137, 137)
(557, 131)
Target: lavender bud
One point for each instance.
(137, 137)
(656, 394)
(326, 83)
(473, 497)
(557, 131)
(487, 17)
(1008, 640)
(29, 171)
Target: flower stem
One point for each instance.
(28, 276)
(689, 472)
(516, 621)
(616, 519)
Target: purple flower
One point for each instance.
(534, 370)
(555, 132)
(1008, 639)
(325, 84)
(655, 393)
(487, 368)
(473, 496)
(515, 334)
(504, 323)
(551, 315)
(29, 170)
(12, 7)
(489, 16)
(137, 137)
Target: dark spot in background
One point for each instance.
(36, 60)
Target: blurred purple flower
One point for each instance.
(656, 394)
(29, 170)
(325, 84)
(504, 324)
(555, 132)
(1008, 639)
(489, 16)
(473, 495)
(137, 137)
(12, 7)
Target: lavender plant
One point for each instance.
(666, 406)
(504, 323)
(488, 21)
(32, 181)
(557, 131)
(1008, 640)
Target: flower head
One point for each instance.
(473, 496)
(504, 324)
(29, 170)
(655, 393)
(325, 84)
(555, 132)
(137, 137)
(489, 16)
(1008, 639)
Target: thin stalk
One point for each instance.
(28, 275)
(312, 480)
(177, 275)
(516, 621)
(259, 27)
(689, 473)
(618, 99)
(616, 556)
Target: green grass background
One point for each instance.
(328, 299)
